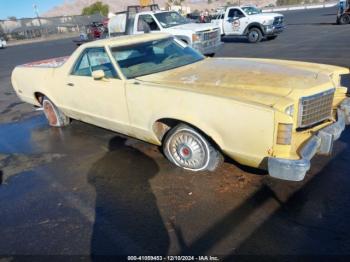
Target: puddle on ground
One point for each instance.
(17, 137)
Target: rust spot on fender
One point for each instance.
(160, 130)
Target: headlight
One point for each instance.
(267, 22)
(195, 38)
(289, 110)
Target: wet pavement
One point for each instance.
(83, 190)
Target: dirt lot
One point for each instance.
(82, 189)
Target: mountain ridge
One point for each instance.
(75, 7)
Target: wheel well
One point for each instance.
(257, 26)
(39, 97)
(162, 126)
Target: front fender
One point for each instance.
(254, 24)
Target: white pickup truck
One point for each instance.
(249, 21)
(3, 43)
(205, 38)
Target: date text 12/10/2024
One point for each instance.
(173, 258)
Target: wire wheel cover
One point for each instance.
(188, 150)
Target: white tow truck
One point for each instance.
(205, 38)
(250, 22)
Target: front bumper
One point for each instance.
(208, 47)
(319, 143)
(274, 30)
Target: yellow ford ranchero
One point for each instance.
(270, 114)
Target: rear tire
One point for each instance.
(254, 35)
(54, 116)
(344, 19)
(189, 149)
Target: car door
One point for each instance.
(235, 22)
(100, 102)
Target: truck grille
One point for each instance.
(279, 20)
(211, 35)
(316, 108)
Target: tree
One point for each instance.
(175, 2)
(12, 18)
(96, 8)
(2, 33)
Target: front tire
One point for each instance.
(54, 116)
(190, 150)
(254, 35)
(344, 19)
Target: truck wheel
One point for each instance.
(254, 35)
(54, 116)
(190, 150)
(344, 19)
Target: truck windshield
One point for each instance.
(153, 57)
(251, 10)
(170, 19)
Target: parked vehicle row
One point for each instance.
(245, 21)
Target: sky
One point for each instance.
(24, 8)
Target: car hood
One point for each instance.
(194, 27)
(260, 81)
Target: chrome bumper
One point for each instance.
(208, 47)
(320, 143)
(274, 29)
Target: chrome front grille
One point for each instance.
(278, 21)
(211, 35)
(316, 108)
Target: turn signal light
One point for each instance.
(284, 134)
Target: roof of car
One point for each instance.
(127, 40)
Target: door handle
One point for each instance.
(70, 84)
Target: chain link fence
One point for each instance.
(29, 28)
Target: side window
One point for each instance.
(92, 60)
(147, 22)
(235, 13)
(82, 68)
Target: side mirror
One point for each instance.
(98, 74)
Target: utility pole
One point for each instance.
(36, 11)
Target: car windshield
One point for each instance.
(170, 19)
(153, 57)
(251, 10)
